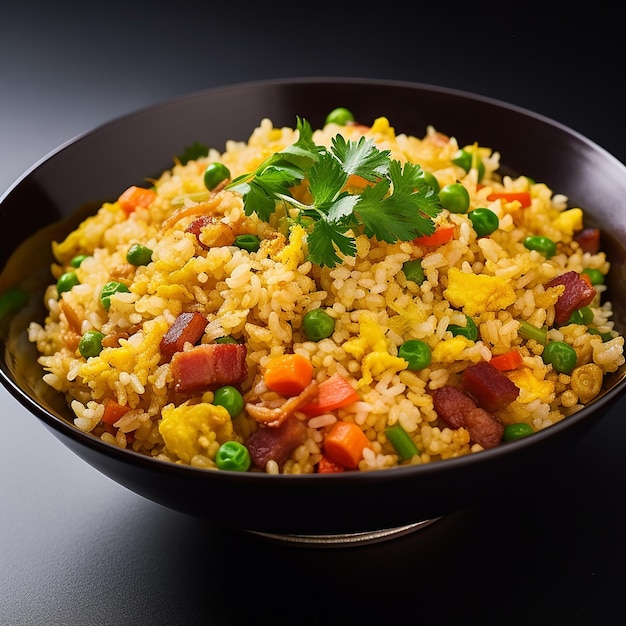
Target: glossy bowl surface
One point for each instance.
(75, 179)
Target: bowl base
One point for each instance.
(343, 540)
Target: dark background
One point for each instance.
(76, 548)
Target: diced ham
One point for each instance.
(276, 444)
(451, 404)
(578, 293)
(457, 410)
(209, 365)
(484, 429)
(488, 386)
(588, 239)
(187, 328)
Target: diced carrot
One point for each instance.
(288, 374)
(440, 236)
(113, 411)
(326, 466)
(508, 361)
(332, 393)
(135, 197)
(344, 444)
(523, 197)
(586, 278)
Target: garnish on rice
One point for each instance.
(393, 203)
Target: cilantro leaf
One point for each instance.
(397, 206)
(273, 178)
(192, 152)
(362, 157)
(324, 241)
(326, 179)
(390, 218)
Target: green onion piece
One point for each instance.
(528, 331)
(401, 441)
(594, 331)
(226, 339)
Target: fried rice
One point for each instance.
(259, 299)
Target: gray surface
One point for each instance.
(77, 549)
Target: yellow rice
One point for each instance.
(261, 297)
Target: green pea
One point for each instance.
(214, 174)
(560, 355)
(596, 276)
(484, 221)
(413, 271)
(139, 255)
(455, 198)
(430, 180)
(12, 300)
(543, 245)
(317, 324)
(109, 289)
(233, 456)
(582, 316)
(230, 398)
(90, 343)
(416, 353)
(401, 442)
(66, 282)
(469, 330)
(517, 431)
(466, 160)
(340, 115)
(251, 243)
(78, 259)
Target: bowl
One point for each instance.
(76, 178)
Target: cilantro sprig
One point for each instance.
(396, 205)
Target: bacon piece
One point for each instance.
(588, 239)
(458, 410)
(578, 293)
(488, 386)
(451, 404)
(188, 327)
(276, 444)
(207, 365)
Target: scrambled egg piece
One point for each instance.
(291, 255)
(450, 350)
(569, 221)
(381, 125)
(184, 427)
(475, 293)
(530, 387)
(371, 349)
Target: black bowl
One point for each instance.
(92, 168)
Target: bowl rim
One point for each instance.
(509, 449)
